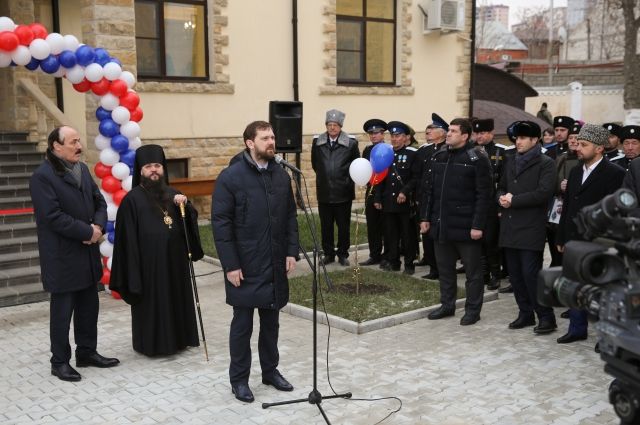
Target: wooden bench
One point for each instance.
(194, 186)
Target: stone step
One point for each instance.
(9, 136)
(23, 294)
(15, 202)
(19, 260)
(14, 178)
(17, 218)
(18, 167)
(21, 244)
(21, 276)
(6, 156)
(17, 230)
(15, 191)
(17, 146)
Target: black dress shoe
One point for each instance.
(277, 381)
(369, 262)
(409, 269)
(494, 283)
(597, 348)
(432, 275)
(96, 360)
(440, 313)
(460, 270)
(65, 372)
(242, 392)
(565, 314)
(344, 261)
(328, 260)
(545, 327)
(469, 319)
(522, 322)
(567, 338)
(506, 290)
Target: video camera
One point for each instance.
(601, 275)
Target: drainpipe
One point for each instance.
(473, 56)
(294, 23)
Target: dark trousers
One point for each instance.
(340, 214)
(524, 266)
(83, 307)
(490, 250)
(240, 343)
(556, 256)
(375, 230)
(578, 323)
(447, 253)
(429, 252)
(400, 227)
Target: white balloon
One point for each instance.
(121, 115)
(6, 24)
(106, 247)
(102, 142)
(112, 71)
(109, 157)
(39, 49)
(360, 171)
(112, 211)
(109, 102)
(60, 72)
(21, 55)
(135, 143)
(109, 262)
(56, 42)
(130, 129)
(127, 182)
(128, 78)
(120, 171)
(5, 60)
(75, 75)
(71, 43)
(107, 197)
(94, 72)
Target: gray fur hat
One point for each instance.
(594, 134)
(336, 116)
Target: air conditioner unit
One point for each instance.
(442, 15)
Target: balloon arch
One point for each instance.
(88, 69)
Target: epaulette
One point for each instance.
(426, 145)
(617, 157)
(352, 137)
(543, 149)
(505, 147)
(473, 155)
(315, 136)
(410, 148)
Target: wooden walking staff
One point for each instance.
(193, 280)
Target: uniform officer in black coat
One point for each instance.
(395, 197)
(525, 189)
(332, 153)
(612, 151)
(590, 181)
(375, 128)
(253, 215)
(455, 210)
(71, 214)
(630, 135)
(561, 127)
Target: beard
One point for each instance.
(265, 155)
(158, 189)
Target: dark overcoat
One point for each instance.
(64, 214)
(522, 226)
(606, 178)
(253, 215)
(331, 165)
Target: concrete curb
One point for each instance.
(376, 324)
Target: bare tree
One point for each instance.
(607, 20)
(631, 58)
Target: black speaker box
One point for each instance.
(286, 119)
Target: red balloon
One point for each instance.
(136, 114)
(118, 88)
(25, 34)
(39, 31)
(116, 295)
(376, 178)
(102, 170)
(101, 87)
(8, 41)
(83, 86)
(106, 275)
(105, 260)
(117, 197)
(111, 184)
(130, 100)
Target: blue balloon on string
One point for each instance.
(128, 157)
(102, 56)
(102, 114)
(108, 127)
(381, 157)
(67, 59)
(50, 64)
(85, 55)
(110, 227)
(119, 143)
(33, 65)
(111, 236)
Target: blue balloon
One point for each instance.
(102, 114)
(33, 65)
(381, 157)
(111, 226)
(115, 60)
(108, 128)
(50, 64)
(67, 59)
(128, 157)
(119, 143)
(102, 56)
(85, 55)
(111, 236)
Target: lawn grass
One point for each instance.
(405, 293)
(206, 237)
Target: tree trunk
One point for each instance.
(631, 63)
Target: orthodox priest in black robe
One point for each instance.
(150, 266)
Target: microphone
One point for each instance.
(280, 160)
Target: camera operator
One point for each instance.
(589, 182)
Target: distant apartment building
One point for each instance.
(493, 13)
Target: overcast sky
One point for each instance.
(515, 5)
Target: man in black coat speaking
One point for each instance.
(253, 214)
(70, 215)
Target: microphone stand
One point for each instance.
(314, 397)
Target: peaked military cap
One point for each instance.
(613, 128)
(483, 125)
(336, 116)
(563, 121)
(398, 127)
(525, 129)
(374, 125)
(630, 132)
(438, 122)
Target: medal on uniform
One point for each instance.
(167, 219)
